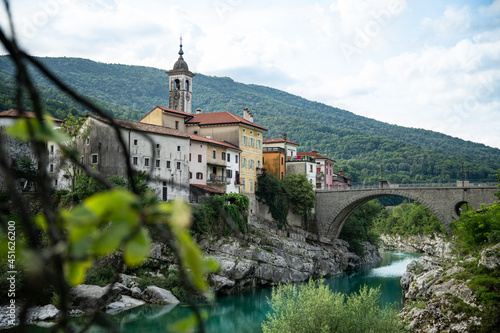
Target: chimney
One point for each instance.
(284, 136)
(341, 172)
(247, 115)
(198, 111)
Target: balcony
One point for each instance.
(300, 158)
(274, 150)
(214, 179)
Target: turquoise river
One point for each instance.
(245, 311)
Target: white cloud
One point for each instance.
(452, 22)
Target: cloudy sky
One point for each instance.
(417, 63)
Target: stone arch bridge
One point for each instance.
(334, 207)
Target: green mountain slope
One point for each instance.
(359, 144)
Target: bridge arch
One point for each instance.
(343, 211)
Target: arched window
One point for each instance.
(177, 84)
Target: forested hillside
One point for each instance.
(359, 145)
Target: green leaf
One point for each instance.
(114, 205)
(75, 271)
(138, 248)
(42, 131)
(111, 237)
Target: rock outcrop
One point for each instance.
(267, 259)
(436, 300)
(432, 245)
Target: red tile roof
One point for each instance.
(314, 154)
(279, 140)
(220, 118)
(212, 141)
(143, 127)
(27, 114)
(207, 188)
(175, 112)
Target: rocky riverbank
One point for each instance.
(441, 292)
(433, 245)
(261, 258)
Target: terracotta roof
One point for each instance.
(27, 114)
(143, 127)
(220, 118)
(314, 154)
(207, 188)
(212, 141)
(176, 112)
(279, 140)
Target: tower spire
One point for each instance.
(180, 50)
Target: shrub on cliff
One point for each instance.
(313, 307)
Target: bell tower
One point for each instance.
(180, 85)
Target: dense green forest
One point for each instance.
(361, 146)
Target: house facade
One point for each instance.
(162, 152)
(277, 151)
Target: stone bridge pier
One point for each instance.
(334, 207)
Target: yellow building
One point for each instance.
(241, 132)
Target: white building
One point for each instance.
(160, 151)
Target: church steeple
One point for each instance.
(181, 87)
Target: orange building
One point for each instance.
(274, 161)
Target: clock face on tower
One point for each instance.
(177, 95)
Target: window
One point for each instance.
(199, 158)
(190, 175)
(214, 154)
(228, 157)
(51, 149)
(243, 162)
(178, 148)
(189, 157)
(94, 158)
(251, 185)
(252, 142)
(176, 124)
(251, 132)
(258, 134)
(157, 163)
(282, 161)
(135, 161)
(199, 175)
(55, 182)
(87, 141)
(157, 146)
(229, 173)
(244, 130)
(146, 161)
(223, 154)
(259, 144)
(259, 164)
(251, 164)
(310, 168)
(244, 140)
(214, 171)
(178, 165)
(52, 168)
(136, 142)
(168, 164)
(236, 158)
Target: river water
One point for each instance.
(245, 311)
